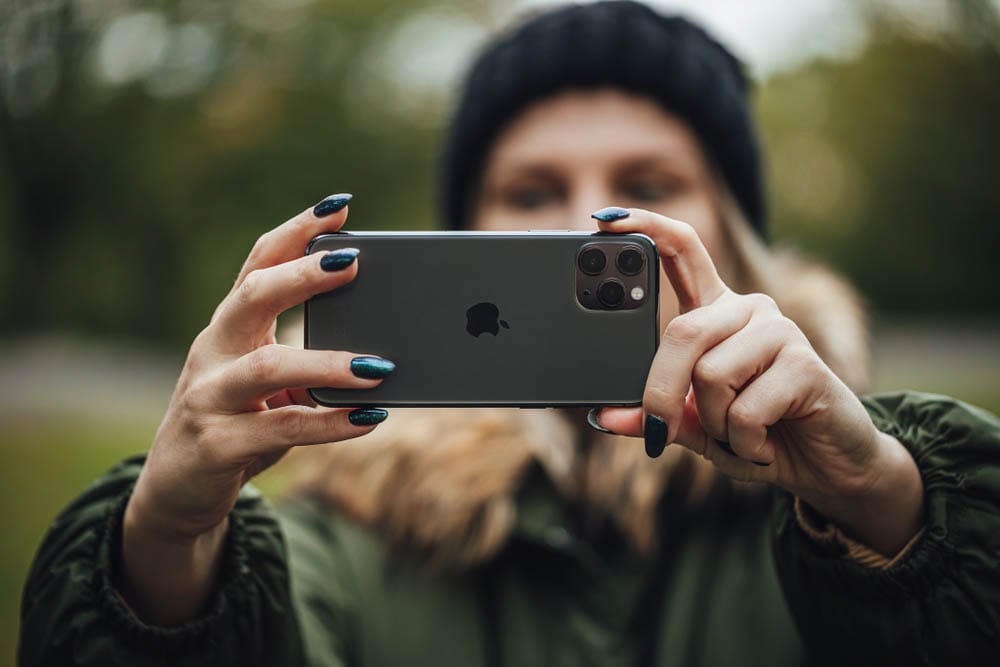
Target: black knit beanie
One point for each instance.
(618, 44)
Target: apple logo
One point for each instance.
(484, 318)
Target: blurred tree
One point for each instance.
(886, 164)
(145, 145)
(133, 189)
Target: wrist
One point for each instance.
(141, 522)
(886, 514)
(169, 512)
(166, 576)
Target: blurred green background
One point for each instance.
(145, 145)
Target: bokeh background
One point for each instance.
(145, 145)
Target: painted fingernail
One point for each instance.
(335, 260)
(655, 435)
(724, 446)
(610, 214)
(331, 204)
(367, 416)
(372, 368)
(594, 424)
(768, 451)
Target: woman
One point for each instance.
(790, 519)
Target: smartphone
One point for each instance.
(521, 319)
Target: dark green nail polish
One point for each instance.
(372, 368)
(655, 435)
(335, 260)
(331, 205)
(367, 416)
(724, 446)
(594, 424)
(610, 214)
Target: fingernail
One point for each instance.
(372, 368)
(335, 260)
(610, 214)
(724, 446)
(331, 204)
(367, 416)
(655, 435)
(594, 424)
(765, 450)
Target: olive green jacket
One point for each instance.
(736, 583)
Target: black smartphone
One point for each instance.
(526, 319)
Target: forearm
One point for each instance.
(886, 516)
(166, 579)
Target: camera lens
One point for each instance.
(592, 261)
(611, 293)
(630, 261)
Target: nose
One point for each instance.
(588, 196)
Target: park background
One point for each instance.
(145, 145)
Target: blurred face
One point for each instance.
(567, 156)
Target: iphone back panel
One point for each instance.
(493, 318)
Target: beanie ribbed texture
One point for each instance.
(617, 44)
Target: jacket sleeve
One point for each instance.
(72, 614)
(940, 603)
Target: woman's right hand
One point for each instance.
(240, 403)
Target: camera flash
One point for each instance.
(637, 293)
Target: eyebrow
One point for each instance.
(647, 162)
(549, 169)
(533, 170)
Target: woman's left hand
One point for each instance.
(731, 368)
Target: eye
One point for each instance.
(650, 190)
(645, 191)
(530, 198)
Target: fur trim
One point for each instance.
(444, 482)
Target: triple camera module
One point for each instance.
(618, 284)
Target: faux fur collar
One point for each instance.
(445, 482)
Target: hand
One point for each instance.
(732, 369)
(240, 402)
(239, 405)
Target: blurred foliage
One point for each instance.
(886, 165)
(127, 212)
(73, 457)
(144, 146)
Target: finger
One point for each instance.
(686, 338)
(267, 371)
(247, 315)
(281, 399)
(683, 256)
(736, 467)
(289, 240)
(630, 422)
(722, 372)
(783, 390)
(272, 430)
(301, 396)
(620, 421)
(293, 396)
